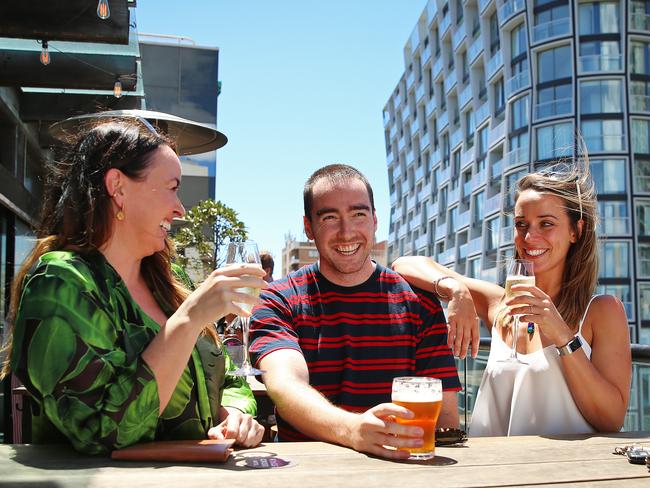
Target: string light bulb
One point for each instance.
(117, 89)
(45, 54)
(103, 11)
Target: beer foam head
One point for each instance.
(416, 390)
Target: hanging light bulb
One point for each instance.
(103, 11)
(45, 54)
(117, 88)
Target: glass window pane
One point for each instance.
(614, 260)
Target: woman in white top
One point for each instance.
(576, 350)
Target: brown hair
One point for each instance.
(333, 173)
(574, 185)
(76, 212)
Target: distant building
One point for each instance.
(297, 254)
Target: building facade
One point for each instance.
(493, 90)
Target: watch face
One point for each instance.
(575, 344)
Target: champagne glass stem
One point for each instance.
(515, 333)
(245, 327)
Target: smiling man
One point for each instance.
(333, 335)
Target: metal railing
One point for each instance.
(600, 62)
(553, 28)
(553, 108)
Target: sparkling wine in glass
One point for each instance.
(245, 252)
(520, 272)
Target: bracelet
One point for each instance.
(435, 287)
(570, 347)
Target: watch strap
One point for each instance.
(570, 347)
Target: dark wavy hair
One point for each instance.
(76, 212)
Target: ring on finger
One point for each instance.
(531, 309)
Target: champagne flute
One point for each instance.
(245, 252)
(520, 272)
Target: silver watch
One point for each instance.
(569, 348)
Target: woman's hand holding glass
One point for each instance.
(220, 294)
(535, 306)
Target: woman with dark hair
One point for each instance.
(112, 347)
(574, 346)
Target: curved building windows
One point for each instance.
(552, 19)
(554, 141)
(599, 28)
(601, 115)
(554, 91)
(599, 18)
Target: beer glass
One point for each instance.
(423, 397)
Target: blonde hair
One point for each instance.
(572, 182)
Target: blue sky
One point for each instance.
(304, 85)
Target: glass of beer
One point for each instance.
(423, 397)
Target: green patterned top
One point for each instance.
(78, 339)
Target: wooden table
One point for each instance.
(496, 461)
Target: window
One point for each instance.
(642, 175)
(643, 249)
(553, 101)
(603, 96)
(499, 97)
(493, 229)
(518, 45)
(470, 128)
(643, 218)
(555, 141)
(644, 301)
(599, 18)
(614, 218)
(609, 176)
(600, 56)
(640, 15)
(603, 135)
(519, 114)
(445, 150)
(482, 142)
(551, 21)
(474, 269)
(614, 260)
(464, 66)
(495, 42)
(552, 64)
(622, 292)
(640, 136)
(452, 220)
(640, 96)
(479, 206)
(640, 57)
(459, 11)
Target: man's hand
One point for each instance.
(237, 425)
(463, 321)
(376, 432)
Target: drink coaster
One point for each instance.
(258, 460)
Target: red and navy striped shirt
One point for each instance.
(356, 339)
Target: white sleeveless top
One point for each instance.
(526, 399)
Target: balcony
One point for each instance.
(419, 173)
(640, 21)
(490, 275)
(509, 9)
(437, 67)
(424, 193)
(494, 65)
(479, 179)
(393, 131)
(463, 221)
(435, 158)
(605, 143)
(507, 235)
(474, 246)
(443, 121)
(456, 138)
(410, 203)
(401, 143)
(497, 134)
(415, 125)
(467, 157)
(493, 204)
(516, 157)
(454, 196)
(590, 63)
(475, 49)
(403, 230)
(406, 113)
(397, 173)
(459, 36)
(426, 54)
(424, 141)
(639, 103)
(462, 251)
(450, 81)
(410, 158)
(445, 23)
(441, 231)
(430, 106)
(445, 175)
(410, 79)
(465, 97)
(420, 242)
(432, 208)
(497, 170)
(389, 158)
(554, 108)
(482, 113)
(467, 187)
(614, 226)
(517, 82)
(483, 4)
(448, 256)
(397, 101)
(549, 30)
(419, 92)
(432, 10)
